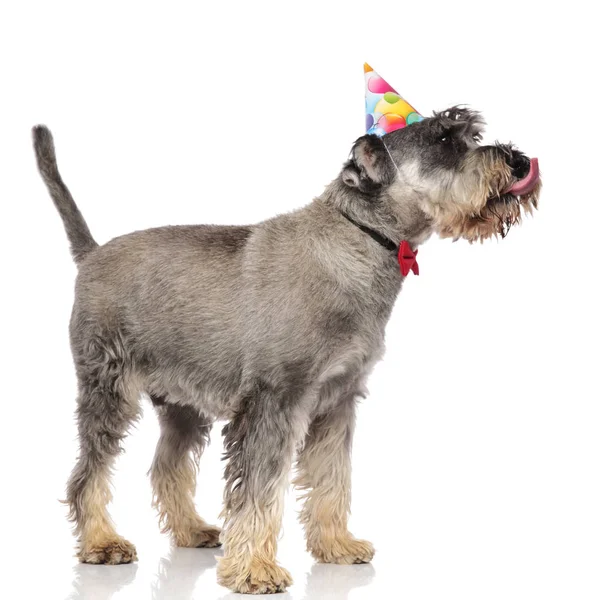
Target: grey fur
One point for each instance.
(272, 327)
(78, 232)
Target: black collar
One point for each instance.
(380, 239)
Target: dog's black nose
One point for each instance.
(519, 164)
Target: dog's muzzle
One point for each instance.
(526, 184)
(526, 172)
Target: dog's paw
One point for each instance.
(203, 536)
(260, 578)
(116, 551)
(344, 551)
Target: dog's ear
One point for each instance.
(369, 166)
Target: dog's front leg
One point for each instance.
(259, 444)
(324, 474)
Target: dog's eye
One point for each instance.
(445, 138)
(477, 137)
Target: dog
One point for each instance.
(273, 328)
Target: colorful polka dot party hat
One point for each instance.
(386, 109)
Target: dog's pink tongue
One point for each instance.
(525, 185)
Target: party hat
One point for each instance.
(386, 109)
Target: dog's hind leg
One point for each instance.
(108, 404)
(184, 435)
(323, 472)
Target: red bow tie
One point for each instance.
(407, 259)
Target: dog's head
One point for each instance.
(469, 190)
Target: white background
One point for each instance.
(477, 454)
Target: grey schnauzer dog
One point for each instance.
(273, 328)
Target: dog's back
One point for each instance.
(171, 294)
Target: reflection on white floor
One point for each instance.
(336, 581)
(100, 582)
(178, 575)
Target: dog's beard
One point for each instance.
(499, 211)
(494, 220)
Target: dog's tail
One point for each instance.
(77, 230)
